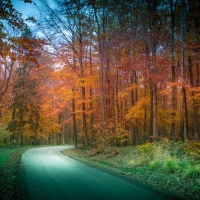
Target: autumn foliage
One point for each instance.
(103, 73)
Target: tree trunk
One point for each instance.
(84, 118)
(173, 71)
(154, 94)
(155, 134)
(74, 122)
(117, 96)
(151, 113)
(184, 103)
(101, 43)
(134, 98)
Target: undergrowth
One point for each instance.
(174, 167)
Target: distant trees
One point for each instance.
(25, 103)
(119, 73)
(135, 48)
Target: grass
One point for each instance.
(10, 159)
(170, 165)
(155, 164)
(167, 167)
(103, 163)
(4, 155)
(172, 169)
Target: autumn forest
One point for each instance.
(100, 72)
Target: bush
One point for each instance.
(192, 171)
(138, 161)
(147, 149)
(155, 164)
(14, 142)
(4, 133)
(161, 153)
(193, 149)
(170, 165)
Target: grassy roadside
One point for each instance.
(10, 159)
(137, 162)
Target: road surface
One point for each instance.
(47, 174)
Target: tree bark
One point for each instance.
(184, 102)
(173, 71)
(74, 121)
(101, 43)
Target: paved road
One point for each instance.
(46, 174)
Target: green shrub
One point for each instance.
(140, 160)
(103, 162)
(14, 142)
(170, 165)
(193, 149)
(192, 171)
(184, 165)
(4, 133)
(160, 153)
(155, 164)
(147, 149)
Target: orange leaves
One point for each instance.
(137, 111)
(196, 95)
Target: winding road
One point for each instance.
(47, 174)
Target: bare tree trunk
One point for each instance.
(102, 98)
(151, 113)
(194, 110)
(91, 104)
(20, 132)
(145, 117)
(101, 43)
(155, 134)
(84, 118)
(182, 74)
(134, 98)
(154, 94)
(173, 71)
(152, 5)
(74, 122)
(117, 96)
(83, 95)
(197, 84)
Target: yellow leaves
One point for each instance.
(196, 94)
(28, 130)
(126, 92)
(137, 111)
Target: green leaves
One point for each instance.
(4, 133)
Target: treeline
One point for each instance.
(115, 73)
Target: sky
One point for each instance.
(24, 8)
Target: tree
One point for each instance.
(25, 104)
(116, 68)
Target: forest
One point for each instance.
(100, 72)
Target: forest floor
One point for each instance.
(127, 161)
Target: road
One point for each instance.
(47, 174)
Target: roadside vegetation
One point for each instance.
(171, 167)
(10, 159)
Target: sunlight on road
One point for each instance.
(47, 174)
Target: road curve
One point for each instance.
(46, 174)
